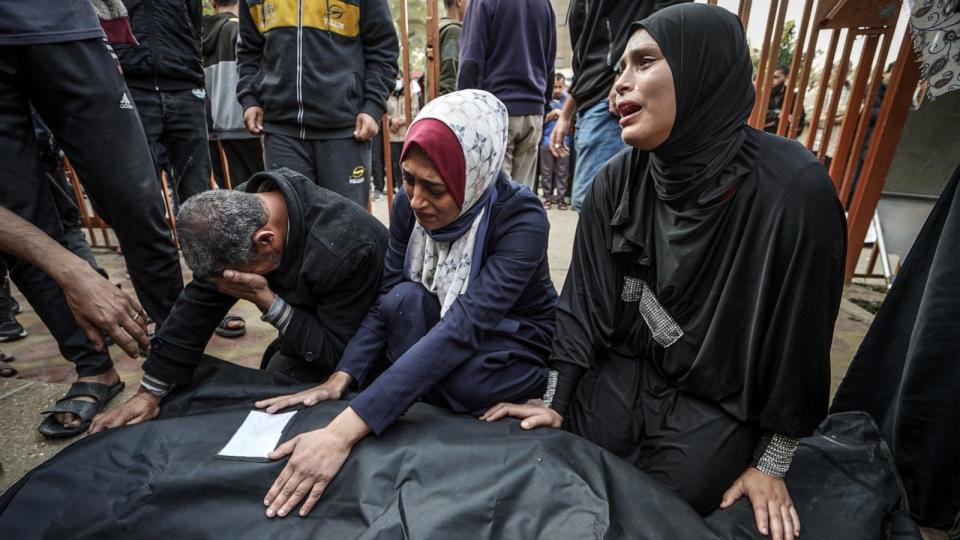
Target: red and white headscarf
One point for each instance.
(465, 136)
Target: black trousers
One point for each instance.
(244, 158)
(305, 372)
(177, 120)
(692, 446)
(78, 91)
(340, 165)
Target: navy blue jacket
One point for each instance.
(513, 294)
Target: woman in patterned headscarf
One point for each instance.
(466, 313)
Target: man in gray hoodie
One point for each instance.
(242, 150)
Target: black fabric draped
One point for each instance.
(739, 235)
(906, 374)
(433, 475)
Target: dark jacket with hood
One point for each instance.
(330, 275)
(599, 30)
(168, 54)
(225, 118)
(314, 65)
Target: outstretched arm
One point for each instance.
(96, 304)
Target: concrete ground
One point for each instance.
(45, 376)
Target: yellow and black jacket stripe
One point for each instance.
(313, 65)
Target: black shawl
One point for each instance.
(739, 235)
(906, 374)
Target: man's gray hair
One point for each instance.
(216, 230)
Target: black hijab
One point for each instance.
(705, 159)
(708, 55)
(738, 233)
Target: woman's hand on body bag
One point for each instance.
(532, 414)
(772, 506)
(315, 459)
(330, 390)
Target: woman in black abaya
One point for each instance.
(694, 327)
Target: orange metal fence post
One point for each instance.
(822, 91)
(876, 165)
(433, 51)
(761, 81)
(838, 85)
(850, 171)
(168, 203)
(81, 203)
(787, 117)
(743, 11)
(387, 163)
(227, 179)
(766, 72)
(852, 113)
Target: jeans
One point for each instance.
(597, 139)
(177, 120)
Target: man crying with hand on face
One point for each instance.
(308, 258)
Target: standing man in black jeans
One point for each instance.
(53, 55)
(165, 75)
(314, 79)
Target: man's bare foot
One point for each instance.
(109, 378)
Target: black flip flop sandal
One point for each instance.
(85, 410)
(223, 330)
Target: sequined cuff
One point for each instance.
(776, 455)
(551, 388)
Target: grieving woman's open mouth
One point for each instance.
(629, 111)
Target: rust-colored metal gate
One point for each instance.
(859, 155)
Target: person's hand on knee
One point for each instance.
(532, 414)
(772, 506)
(330, 390)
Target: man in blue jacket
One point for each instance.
(314, 79)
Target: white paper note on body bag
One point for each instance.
(257, 436)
